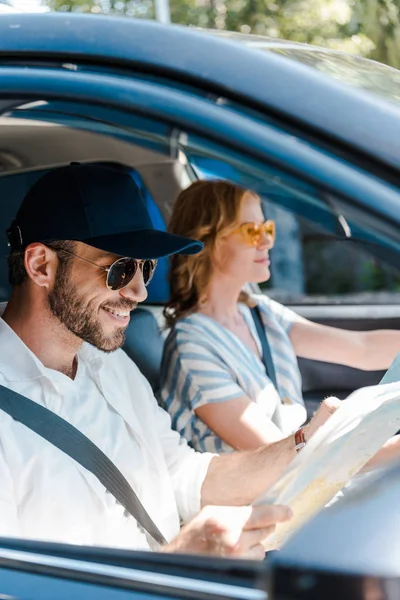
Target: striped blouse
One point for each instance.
(204, 362)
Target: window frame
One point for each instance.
(244, 137)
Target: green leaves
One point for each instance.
(380, 21)
(367, 27)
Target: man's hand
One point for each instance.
(326, 409)
(234, 532)
(239, 478)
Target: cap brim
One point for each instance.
(145, 243)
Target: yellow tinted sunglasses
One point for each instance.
(253, 232)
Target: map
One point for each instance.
(336, 453)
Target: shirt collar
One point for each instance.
(27, 366)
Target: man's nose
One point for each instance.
(135, 290)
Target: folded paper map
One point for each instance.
(335, 454)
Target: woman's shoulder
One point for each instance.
(266, 304)
(274, 310)
(194, 327)
(193, 338)
(189, 323)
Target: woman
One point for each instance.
(213, 381)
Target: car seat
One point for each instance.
(144, 345)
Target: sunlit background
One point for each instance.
(26, 5)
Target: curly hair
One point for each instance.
(203, 211)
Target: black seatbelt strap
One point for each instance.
(75, 444)
(266, 351)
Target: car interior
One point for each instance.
(38, 136)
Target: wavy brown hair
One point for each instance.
(203, 211)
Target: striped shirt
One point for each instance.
(204, 362)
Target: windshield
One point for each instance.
(356, 71)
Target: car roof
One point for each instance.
(290, 91)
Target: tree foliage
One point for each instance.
(380, 21)
(367, 27)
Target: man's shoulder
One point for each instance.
(121, 380)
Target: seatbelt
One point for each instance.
(75, 444)
(266, 351)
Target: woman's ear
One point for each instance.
(41, 264)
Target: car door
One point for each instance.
(43, 571)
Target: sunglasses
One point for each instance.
(122, 271)
(253, 232)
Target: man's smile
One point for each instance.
(120, 315)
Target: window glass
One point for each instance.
(313, 261)
(352, 70)
(309, 267)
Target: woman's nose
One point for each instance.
(266, 241)
(135, 290)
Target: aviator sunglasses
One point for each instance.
(253, 232)
(122, 271)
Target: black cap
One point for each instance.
(95, 204)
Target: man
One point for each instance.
(60, 334)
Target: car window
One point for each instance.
(313, 261)
(352, 70)
(308, 267)
(309, 221)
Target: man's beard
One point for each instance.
(79, 317)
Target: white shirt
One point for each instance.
(46, 495)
